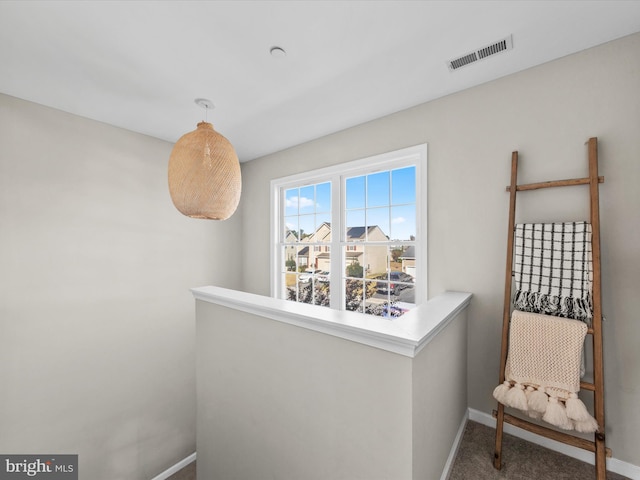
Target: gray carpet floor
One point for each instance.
(521, 460)
(187, 473)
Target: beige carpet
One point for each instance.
(521, 460)
(187, 473)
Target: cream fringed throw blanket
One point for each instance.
(542, 375)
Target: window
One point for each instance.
(305, 230)
(352, 237)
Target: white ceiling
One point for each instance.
(139, 65)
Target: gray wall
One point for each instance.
(280, 401)
(96, 323)
(96, 319)
(547, 113)
(439, 398)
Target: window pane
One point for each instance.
(321, 285)
(375, 260)
(378, 189)
(306, 201)
(395, 262)
(308, 286)
(403, 223)
(307, 226)
(322, 264)
(378, 224)
(323, 228)
(321, 292)
(355, 226)
(388, 272)
(302, 258)
(290, 229)
(354, 295)
(403, 186)
(305, 292)
(290, 259)
(290, 286)
(407, 261)
(291, 201)
(395, 292)
(375, 301)
(306, 256)
(355, 192)
(323, 197)
(354, 268)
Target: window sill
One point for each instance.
(406, 335)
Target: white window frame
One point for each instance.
(337, 175)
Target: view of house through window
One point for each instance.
(307, 243)
(379, 251)
(348, 238)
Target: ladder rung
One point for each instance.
(555, 183)
(552, 434)
(588, 386)
(589, 330)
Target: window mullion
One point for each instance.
(337, 234)
(277, 239)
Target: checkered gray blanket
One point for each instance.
(553, 269)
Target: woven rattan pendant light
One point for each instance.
(204, 175)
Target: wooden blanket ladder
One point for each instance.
(597, 445)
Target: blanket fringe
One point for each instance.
(567, 307)
(568, 414)
(516, 397)
(556, 414)
(538, 400)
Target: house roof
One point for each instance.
(355, 232)
(358, 233)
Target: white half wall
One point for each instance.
(276, 400)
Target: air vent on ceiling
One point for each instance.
(482, 53)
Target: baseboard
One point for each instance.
(613, 464)
(176, 468)
(454, 448)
